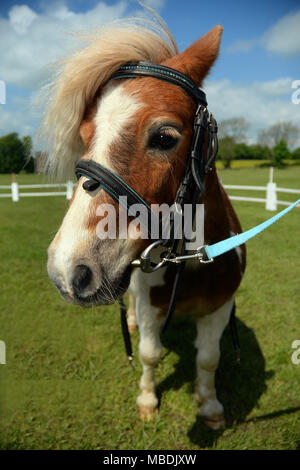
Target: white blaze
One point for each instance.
(114, 111)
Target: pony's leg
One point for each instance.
(150, 351)
(131, 315)
(209, 332)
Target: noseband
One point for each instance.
(199, 163)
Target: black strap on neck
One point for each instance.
(234, 334)
(125, 331)
(175, 292)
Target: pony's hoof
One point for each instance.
(147, 414)
(215, 422)
(132, 328)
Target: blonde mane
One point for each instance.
(80, 76)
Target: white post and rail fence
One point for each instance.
(66, 189)
(270, 200)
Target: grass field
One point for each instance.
(66, 384)
(236, 164)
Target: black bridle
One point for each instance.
(199, 163)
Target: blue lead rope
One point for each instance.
(222, 247)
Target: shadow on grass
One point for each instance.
(239, 386)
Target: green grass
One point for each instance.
(288, 177)
(284, 178)
(243, 163)
(66, 384)
(236, 164)
(24, 178)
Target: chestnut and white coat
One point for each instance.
(140, 129)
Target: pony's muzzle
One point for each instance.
(89, 274)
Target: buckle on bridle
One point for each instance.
(144, 261)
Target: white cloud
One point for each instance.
(18, 116)
(29, 42)
(261, 103)
(21, 18)
(243, 45)
(283, 38)
(274, 88)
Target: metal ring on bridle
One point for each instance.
(145, 262)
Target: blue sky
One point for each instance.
(259, 56)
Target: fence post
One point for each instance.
(14, 188)
(271, 200)
(69, 192)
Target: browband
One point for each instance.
(136, 69)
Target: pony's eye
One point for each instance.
(162, 140)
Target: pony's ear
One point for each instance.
(197, 60)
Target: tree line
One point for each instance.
(275, 144)
(16, 154)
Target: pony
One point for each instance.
(140, 129)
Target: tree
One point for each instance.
(12, 153)
(282, 131)
(251, 152)
(235, 128)
(29, 164)
(259, 152)
(15, 153)
(296, 153)
(226, 150)
(242, 152)
(280, 152)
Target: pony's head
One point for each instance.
(139, 128)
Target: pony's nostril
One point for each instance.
(82, 278)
